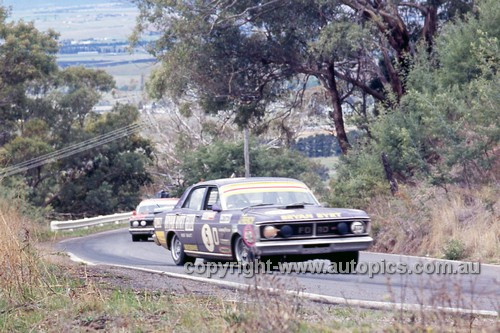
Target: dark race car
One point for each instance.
(257, 218)
(141, 221)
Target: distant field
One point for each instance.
(127, 69)
(35, 4)
(75, 19)
(92, 19)
(130, 74)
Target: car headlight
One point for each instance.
(357, 227)
(143, 223)
(270, 232)
(135, 223)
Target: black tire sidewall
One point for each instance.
(183, 258)
(251, 255)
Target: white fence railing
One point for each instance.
(90, 222)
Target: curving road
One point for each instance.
(474, 291)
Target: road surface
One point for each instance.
(466, 291)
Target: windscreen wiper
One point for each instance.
(298, 204)
(259, 205)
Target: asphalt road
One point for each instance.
(467, 291)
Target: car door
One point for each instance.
(187, 218)
(215, 227)
(210, 240)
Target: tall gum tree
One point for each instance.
(242, 55)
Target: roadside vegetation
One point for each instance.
(421, 119)
(46, 117)
(441, 145)
(424, 160)
(423, 109)
(39, 291)
(425, 221)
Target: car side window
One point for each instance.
(195, 200)
(212, 197)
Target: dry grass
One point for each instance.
(264, 308)
(40, 296)
(460, 224)
(22, 273)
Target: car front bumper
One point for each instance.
(142, 231)
(312, 246)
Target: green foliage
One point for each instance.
(457, 45)
(454, 250)
(243, 69)
(360, 176)
(44, 109)
(446, 128)
(101, 180)
(105, 179)
(225, 159)
(14, 192)
(79, 89)
(26, 56)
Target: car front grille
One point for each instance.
(313, 229)
(149, 224)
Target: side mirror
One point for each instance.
(134, 213)
(216, 207)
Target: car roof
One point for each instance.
(158, 200)
(229, 181)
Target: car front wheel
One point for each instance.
(177, 251)
(242, 253)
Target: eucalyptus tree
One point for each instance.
(242, 55)
(46, 112)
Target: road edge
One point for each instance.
(376, 305)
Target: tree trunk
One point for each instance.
(430, 26)
(388, 173)
(337, 116)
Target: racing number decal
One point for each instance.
(210, 237)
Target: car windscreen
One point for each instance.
(149, 209)
(242, 200)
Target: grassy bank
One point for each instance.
(38, 293)
(83, 301)
(460, 224)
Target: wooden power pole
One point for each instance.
(246, 152)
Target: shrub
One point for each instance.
(359, 177)
(454, 250)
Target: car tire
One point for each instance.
(136, 238)
(145, 238)
(177, 251)
(343, 261)
(241, 252)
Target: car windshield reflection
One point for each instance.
(278, 198)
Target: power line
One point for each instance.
(72, 147)
(75, 149)
(71, 150)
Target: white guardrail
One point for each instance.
(90, 222)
